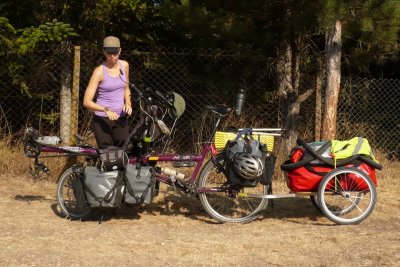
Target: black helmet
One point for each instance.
(248, 166)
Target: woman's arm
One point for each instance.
(127, 92)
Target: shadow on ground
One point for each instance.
(291, 209)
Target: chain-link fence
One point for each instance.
(45, 88)
(371, 108)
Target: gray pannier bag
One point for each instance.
(140, 184)
(102, 189)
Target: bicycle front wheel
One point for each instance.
(70, 195)
(224, 205)
(347, 195)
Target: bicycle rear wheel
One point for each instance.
(225, 205)
(347, 195)
(70, 195)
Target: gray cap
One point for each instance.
(111, 45)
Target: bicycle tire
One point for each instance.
(223, 207)
(347, 195)
(68, 193)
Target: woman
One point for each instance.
(108, 95)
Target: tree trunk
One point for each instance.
(318, 98)
(333, 57)
(287, 94)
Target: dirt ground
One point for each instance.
(174, 231)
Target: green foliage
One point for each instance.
(136, 20)
(7, 32)
(15, 71)
(372, 32)
(223, 24)
(50, 32)
(51, 118)
(332, 10)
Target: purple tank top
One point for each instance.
(110, 92)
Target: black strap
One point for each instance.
(110, 194)
(312, 170)
(138, 167)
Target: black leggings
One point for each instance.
(110, 133)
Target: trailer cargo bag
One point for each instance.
(308, 163)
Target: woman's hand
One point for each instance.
(128, 108)
(111, 114)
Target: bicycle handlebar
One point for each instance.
(149, 94)
(136, 90)
(160, 95)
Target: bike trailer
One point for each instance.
(308, 163)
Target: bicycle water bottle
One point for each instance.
(239, 102)
(49, 140)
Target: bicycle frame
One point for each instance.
(93, 152)
(70, 151)
(198, 159)
(151, 159)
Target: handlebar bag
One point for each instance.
(113, 159)
(140, 184)
(102, 189)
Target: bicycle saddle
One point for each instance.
(220, 110)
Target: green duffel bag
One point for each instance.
(103, 189)
(140, 184)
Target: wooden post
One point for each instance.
(65, 96)
(75, 94)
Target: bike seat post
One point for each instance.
(215, 128)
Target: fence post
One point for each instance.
(75, 94)
(65, 95)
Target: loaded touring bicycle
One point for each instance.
(231, 175)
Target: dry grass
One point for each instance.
(174, 231)
(13, 162)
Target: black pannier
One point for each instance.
(103, 189)
(254, 148)
(140, 184)
(113, 159)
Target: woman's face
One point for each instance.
(111, 57)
